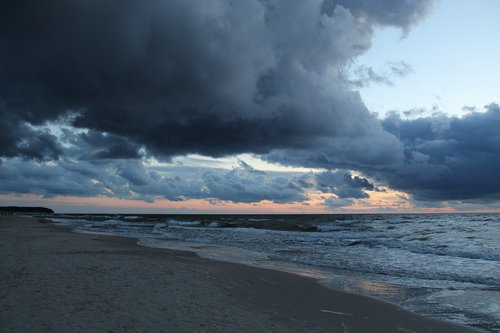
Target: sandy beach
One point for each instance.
(54, 280)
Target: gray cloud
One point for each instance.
(364, 151)
(242, 184)
(421, 112)
(343, 184)
(23, 177)
(400, 68)
(19, 139)
(336, 203)
(448, 158)
(398, 13)
(213, 78)
(130, 179)
(363, 76)
(94, 145)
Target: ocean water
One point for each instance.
(445, 266)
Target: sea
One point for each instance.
(444, 266)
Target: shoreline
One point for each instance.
(55, 280)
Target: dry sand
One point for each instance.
(53, 280)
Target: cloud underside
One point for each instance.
(131, 180)
(127, 81)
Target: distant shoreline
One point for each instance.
(4, 210)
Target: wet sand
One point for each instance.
(54, 280)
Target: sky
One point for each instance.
(321, 106)
(452, 50)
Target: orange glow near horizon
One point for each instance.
(388, 201)
(194, 206)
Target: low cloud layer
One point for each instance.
(132, 180)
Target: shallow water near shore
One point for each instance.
(444, 266)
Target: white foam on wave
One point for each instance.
(177, 223)
(132, 217)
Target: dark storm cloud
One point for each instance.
(355, 152)
(93, 145)
(211, 77)
(343, 184)
(358, 182)
(448, 158)
(19, 139)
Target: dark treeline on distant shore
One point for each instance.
(16, 209)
